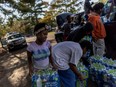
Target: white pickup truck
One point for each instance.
(13, 40)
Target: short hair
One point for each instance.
(79, 18)
(98, 6)
(39, 26)
(88, 27)
(85, 43)
(68, 16)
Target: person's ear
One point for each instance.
(84, 50)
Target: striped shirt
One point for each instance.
(40, 54)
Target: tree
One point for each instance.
(60, 6)
(26, 8)
(66, 5)
(104, 1)
(21, 15)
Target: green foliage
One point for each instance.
(104, 1)
(32, 8)
(30, 12)
(28, 1)
(28, 15)
(65, 6)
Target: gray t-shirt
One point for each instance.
(66, 52)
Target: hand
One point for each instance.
(30, 72)
(81, 77)
(94, 39)
(54, 66)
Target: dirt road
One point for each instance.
(14, 69)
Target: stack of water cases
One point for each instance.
(103, 71)
(84, 71)
(46, 78)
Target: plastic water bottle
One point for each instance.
(39, 81)
(105, 76)
(34, 79)
(105, 19)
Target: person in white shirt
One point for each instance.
(66, 56)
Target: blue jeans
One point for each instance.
(67, 78)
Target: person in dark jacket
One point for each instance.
(66, 28)
(79, 33)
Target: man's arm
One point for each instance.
(74, 69)
(51, 59)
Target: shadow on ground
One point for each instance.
(14, 69)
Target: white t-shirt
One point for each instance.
(66, 52)
(40, 54)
